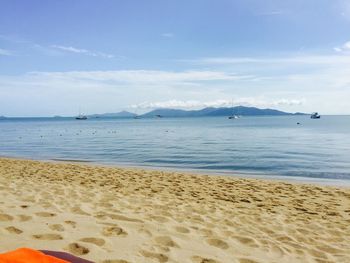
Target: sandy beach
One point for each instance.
(111, 215)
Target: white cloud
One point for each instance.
(271, 13)
(287, 102)
(298, 59)
(289, 86)
(4, 52)
(344, 48)
(168, 35)
(70, 49)
(60, 93)
(195, 104)
(54, 49)
(82, 51)
(189, 104)
(143, 76)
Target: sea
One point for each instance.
(281, 147)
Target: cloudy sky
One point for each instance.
(111, 55)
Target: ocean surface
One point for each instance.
(263, 146)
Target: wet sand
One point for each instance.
(112, 215)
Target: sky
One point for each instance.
(59, 56)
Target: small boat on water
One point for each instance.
(81, 117)
(315, 115)
(233, 117)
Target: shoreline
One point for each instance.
(225, 173)
(228, 173)
(108, 214)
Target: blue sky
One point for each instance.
(105, 56)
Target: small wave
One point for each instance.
(70, 160)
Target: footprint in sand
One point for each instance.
(77, 249)
(317, 253)
(159, 219)
(227, 233)
(56, 227)
(96, 241)
(45, 214)
(5, 217)
(48, 237)
(71, 223)
(145, 232)
(161, 257)
(277, 251)
(206, 232)
(79, 211)
(182, 230)
(113, 231)
(124, 218)
(217, 243)
(105, 204)
(14, 230)
(24, 218)
(247, 260)
(165, 241)
(329, 249)
(198, 259)
(246, 241)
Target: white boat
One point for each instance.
(233, 117)
(315, 115)
(81, 116)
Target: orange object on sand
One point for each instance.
(27, 255)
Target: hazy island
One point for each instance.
(206, 112)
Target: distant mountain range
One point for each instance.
(206, 112)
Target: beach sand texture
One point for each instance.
(112, 215)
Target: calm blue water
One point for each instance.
(260, 145)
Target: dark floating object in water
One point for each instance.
(81, 117)
(298, 123)
(315, 115)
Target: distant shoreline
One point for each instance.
(205, 112)
(153, 117)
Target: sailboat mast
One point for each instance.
(232, 107)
